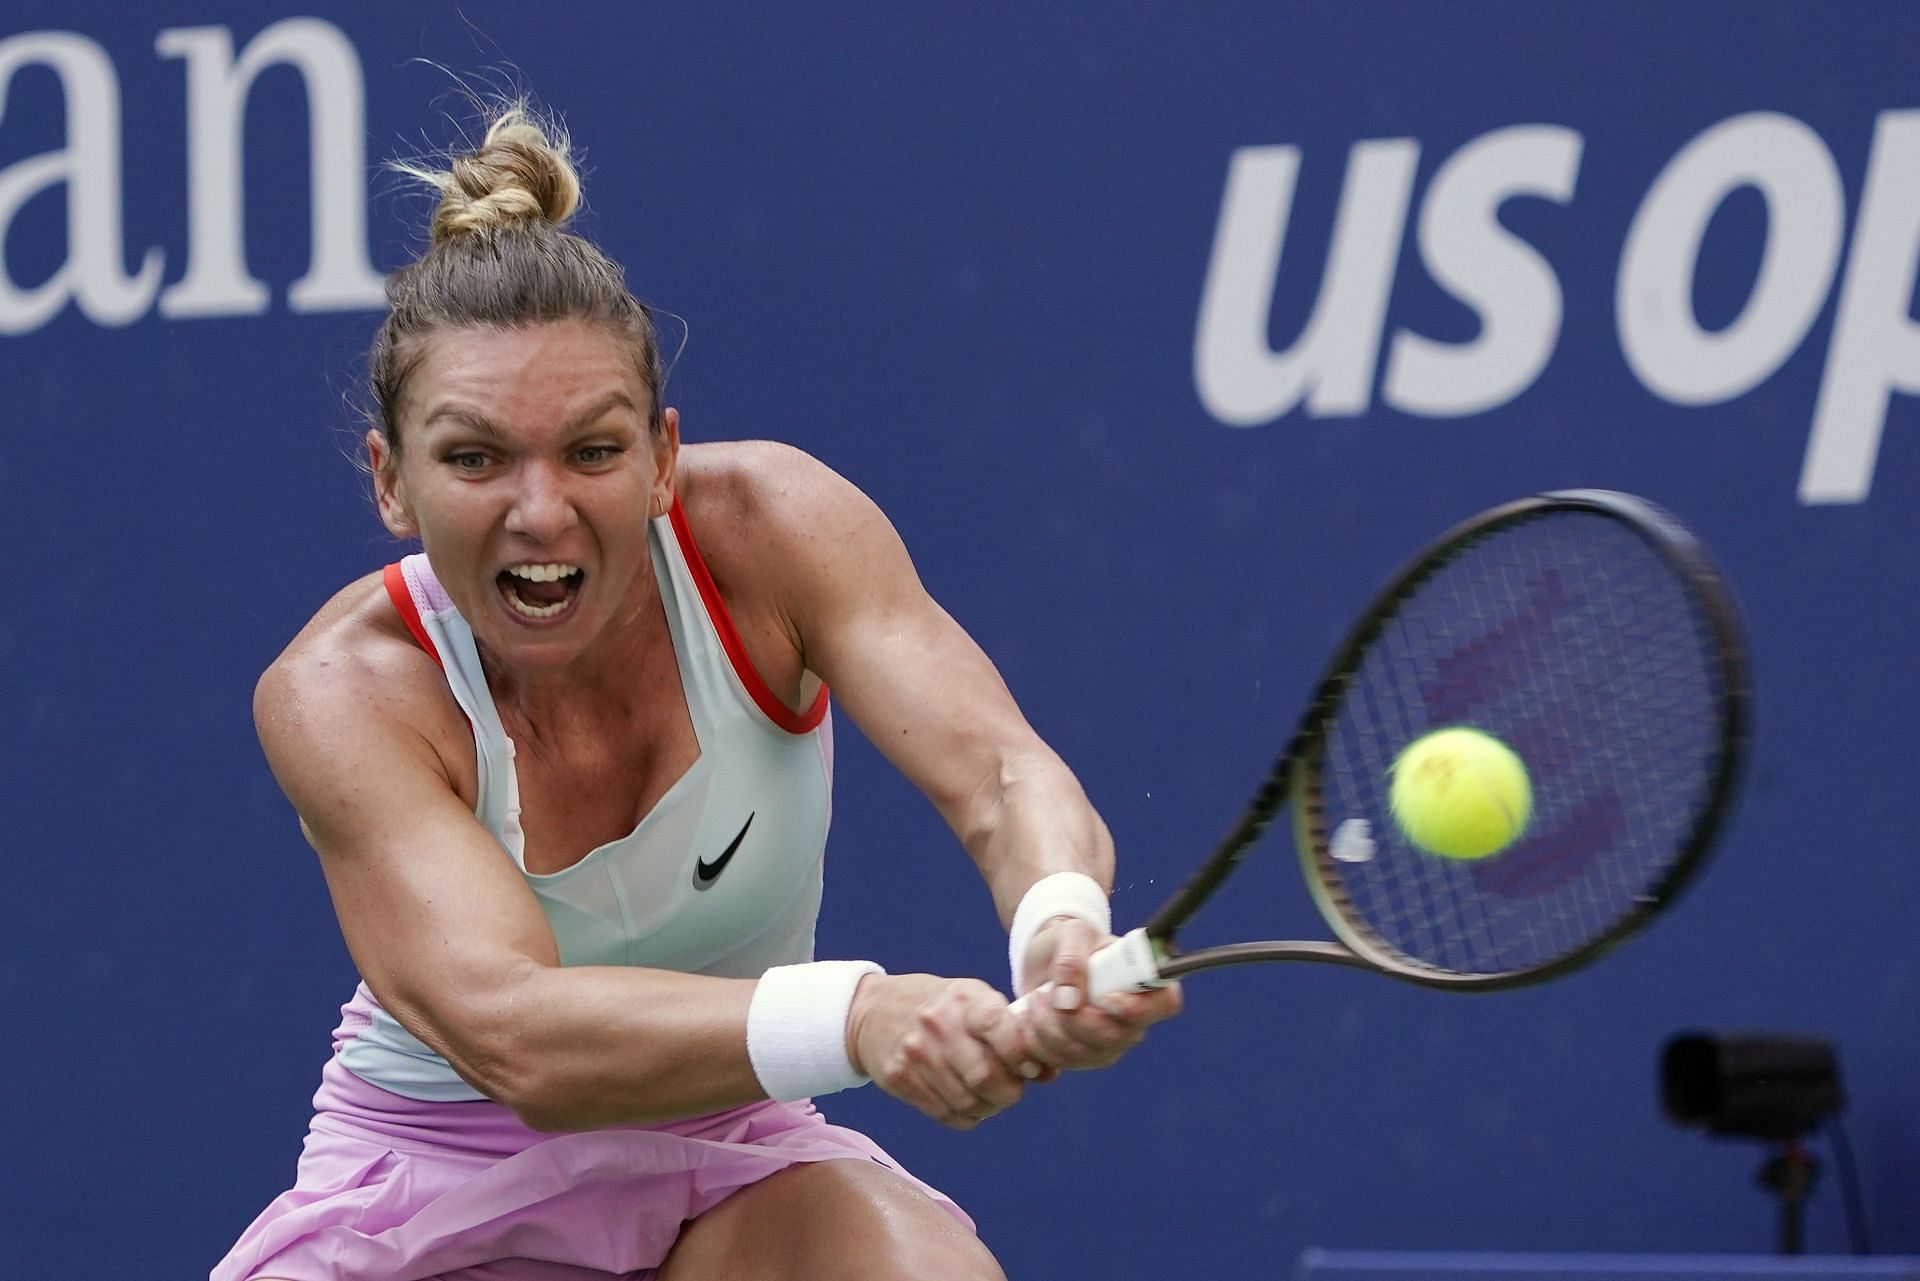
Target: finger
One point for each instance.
(941, 1095)
(1088, 1037)
(1085, 1037)
(1001, 1029)
(1043, 1032)
(903, 1081)
(973, 1088)
(1144, 1009)
(1095, 1036)
(1073, 941)
(991, 1083)
(1104, 1034)
(957, 1064)
(1058, 1037)
(1003, 1034)
(935, 1107)
(932, 1105)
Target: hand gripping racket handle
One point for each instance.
(1130, 963)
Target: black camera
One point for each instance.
(1757, 1085)
(1770, 1086)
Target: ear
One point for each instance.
(389, 494)
(666, 459)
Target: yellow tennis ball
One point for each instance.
(1460, 793)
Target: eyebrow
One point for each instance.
(478, 422)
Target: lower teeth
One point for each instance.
(536, 611)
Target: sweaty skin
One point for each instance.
(531, 447)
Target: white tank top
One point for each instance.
(721, 877)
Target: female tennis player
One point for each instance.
(567, 772)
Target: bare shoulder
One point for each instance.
(352, 673)
(760, 480)
(764, 510)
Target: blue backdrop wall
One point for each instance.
(1163, 334)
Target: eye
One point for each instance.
(466, 460)
(596, 453)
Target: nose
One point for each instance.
(542, 509)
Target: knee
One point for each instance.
(842, 1220)
(873, 1225)
(906, 1234)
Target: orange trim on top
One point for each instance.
(402, 597)
(765, 699)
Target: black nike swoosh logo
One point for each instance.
(705, 873)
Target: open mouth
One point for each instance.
(540, 592)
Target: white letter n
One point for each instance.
(339, 277)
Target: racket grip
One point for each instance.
(1128, 964)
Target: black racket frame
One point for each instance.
(1294, 779)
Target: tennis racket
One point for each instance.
(1586, 629)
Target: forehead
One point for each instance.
(529, 375)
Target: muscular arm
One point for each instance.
(922, 690)
(356, 724)
(446, 932)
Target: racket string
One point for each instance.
(1570, 638)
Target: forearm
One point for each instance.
(1028, 819)
(581, 1047)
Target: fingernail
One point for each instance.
(1029, 1070)
(1066, 998)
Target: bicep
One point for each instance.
(437, 919)
(914, 681)
(435, 916)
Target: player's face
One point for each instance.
(527, 470)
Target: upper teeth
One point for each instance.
(543, 573)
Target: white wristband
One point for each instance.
(797, 1028)
(1063, 894)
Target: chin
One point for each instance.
(533, 649)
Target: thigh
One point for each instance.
(846, 1220)
(523, 1270)
(533, 1270)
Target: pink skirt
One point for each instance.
(396, 1189)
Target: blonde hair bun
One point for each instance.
(521, 172)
